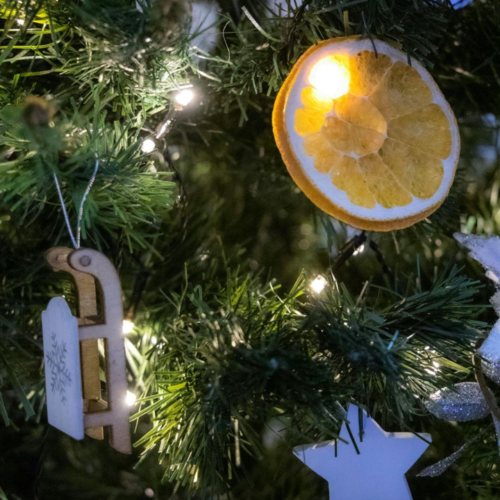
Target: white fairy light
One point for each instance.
(148, 146)
(318, 284)
(184, 97)
(130, 399)
(127, 327)
(330, 78)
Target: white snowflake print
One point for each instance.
(60, 377)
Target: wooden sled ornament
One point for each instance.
(88, 268)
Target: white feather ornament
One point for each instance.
(204, 31)
(281, 7)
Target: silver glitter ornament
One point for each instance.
(486, 250)
(497, 428)
(461, 403)
(490, 352)
(465, 401)
(491, 370)
(439, 467)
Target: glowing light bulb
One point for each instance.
(184, 97)
(130, 399)
(359, 250)
(148, 146)
(330, 78)
(127, 327)
(318, 284)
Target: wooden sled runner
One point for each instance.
(90, 268)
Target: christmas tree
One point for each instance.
(253, 317)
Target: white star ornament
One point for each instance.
(377, 472)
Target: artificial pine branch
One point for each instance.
(109, 69)
(260, 62)
(233, 357)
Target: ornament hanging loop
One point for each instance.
(76, 239)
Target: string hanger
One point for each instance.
(76, 241)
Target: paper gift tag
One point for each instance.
(61, 348)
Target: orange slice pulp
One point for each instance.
(369, 138)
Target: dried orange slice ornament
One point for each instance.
(369, 138)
